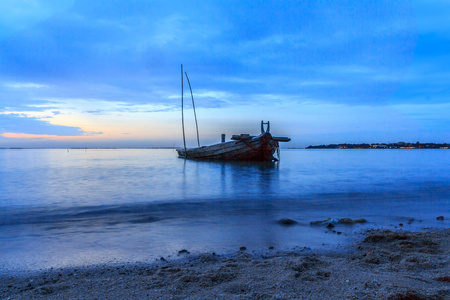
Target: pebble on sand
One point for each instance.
(350, 221)
(346, 221)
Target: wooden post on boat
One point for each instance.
(262, 127)
(182, 113)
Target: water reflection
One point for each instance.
(227, 180)
(140, 203)
(244, 212)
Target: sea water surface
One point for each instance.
(78, 207)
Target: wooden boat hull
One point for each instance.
(260, 148)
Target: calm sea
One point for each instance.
(80, 207)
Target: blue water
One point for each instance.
(68, 208)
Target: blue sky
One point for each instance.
(106, 73)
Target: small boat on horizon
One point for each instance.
(243, 147)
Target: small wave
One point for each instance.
(109, 215)
(79, 216)
(324, 204)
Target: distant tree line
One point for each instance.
(398, 145)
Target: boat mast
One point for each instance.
(182, 113)
(193, 106)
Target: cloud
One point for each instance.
(97, 65)
(19, 15)
(38, 136)
(20, 123)
(111, 42)
(432, 16)
(25, 85)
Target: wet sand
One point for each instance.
(383, 264)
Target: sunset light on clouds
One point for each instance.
(78, 73)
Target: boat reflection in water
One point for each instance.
(230, 177)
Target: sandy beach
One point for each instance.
(382, 264)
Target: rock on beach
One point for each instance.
(287, 222)
(345, 221)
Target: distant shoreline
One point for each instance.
(398, 145)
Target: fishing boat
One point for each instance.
(243, 147)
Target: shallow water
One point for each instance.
(64, 208)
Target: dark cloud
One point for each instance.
(136, 47)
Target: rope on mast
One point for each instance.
(193, 106)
